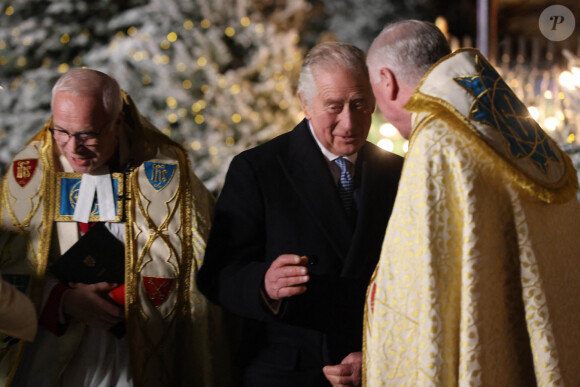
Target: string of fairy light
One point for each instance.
(548, 108)
(197, 107)
(175, 111)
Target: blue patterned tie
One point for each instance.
(345, 186)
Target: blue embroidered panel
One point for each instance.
(496, 105)
(159, 174)
(69, 193)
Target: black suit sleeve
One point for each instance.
(234, 267)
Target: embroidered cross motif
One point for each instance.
(158, 289)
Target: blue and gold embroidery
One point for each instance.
(159, 174)
(69, 194)
(496, 105)
(68, 185)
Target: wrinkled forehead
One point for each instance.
(78, 110)
(66, 100)
(332, 67)
(342, 81)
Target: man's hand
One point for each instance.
(284, 275)
(347, 373)
(91, 305)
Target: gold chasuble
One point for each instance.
(166, 211)
(478, 282)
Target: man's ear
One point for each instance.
(304, 104)
(389, 81)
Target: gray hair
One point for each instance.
(328, 56)
(408, 48)
(87, 82)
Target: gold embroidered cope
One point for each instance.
(478, 278)
(167, 221)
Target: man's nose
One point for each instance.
(73, 144)
(346, 118)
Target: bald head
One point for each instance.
(91, 83)
(87, 119)
(408, 48)
(397, 60)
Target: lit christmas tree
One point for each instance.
(218, 77)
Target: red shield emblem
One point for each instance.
(158, 289)
(24, 170)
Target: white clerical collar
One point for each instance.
(102, 186)
(330, 157)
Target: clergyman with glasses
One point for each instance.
(117, 222)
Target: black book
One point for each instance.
(96, 257)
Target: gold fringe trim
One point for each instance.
(49, 201)
(187, 257)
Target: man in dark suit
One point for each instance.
(286, 252)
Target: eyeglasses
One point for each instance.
(85, 138)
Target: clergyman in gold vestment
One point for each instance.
(479, 277)
(98, 160)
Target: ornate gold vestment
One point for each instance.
(166, 212)
(479, 275)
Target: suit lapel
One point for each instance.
(310, 177)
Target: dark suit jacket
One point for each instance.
(279, 198)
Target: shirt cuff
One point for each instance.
(273, 305)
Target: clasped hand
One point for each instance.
(286, 277)
(347, 373)
(90, 304)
